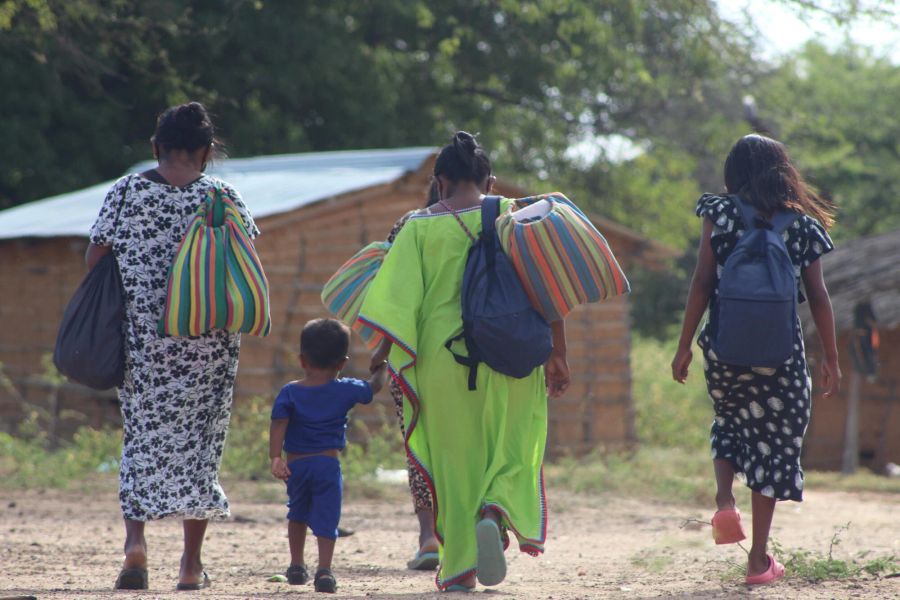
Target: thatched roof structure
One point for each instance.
(863, 269)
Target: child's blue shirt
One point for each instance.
(318, 414)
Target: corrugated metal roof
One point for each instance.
(269, 185)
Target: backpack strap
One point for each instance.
(490, 212)
(779, 222)
(748, 212)
(783, 219)
(466, 361)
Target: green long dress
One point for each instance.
(475, 448)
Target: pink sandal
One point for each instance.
(726, 526)
(773, 573)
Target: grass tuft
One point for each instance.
(816, 566)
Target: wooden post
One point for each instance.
(851, 433)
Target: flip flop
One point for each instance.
(424, 561)
(491, 562)
(726, 526)
(190, 587)
(132, 579)
(458, 587)
(773, 573)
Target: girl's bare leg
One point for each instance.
(724, 482)
(763, 511)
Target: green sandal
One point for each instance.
(491, 561)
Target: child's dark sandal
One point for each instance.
(325, 581)
(297, 575)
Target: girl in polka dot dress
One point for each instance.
(761, 413)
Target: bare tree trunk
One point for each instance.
(851, 433)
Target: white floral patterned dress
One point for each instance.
(176, 397)
(761, 413)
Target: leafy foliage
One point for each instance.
(835, 110)
(557, 88)
(84, 78)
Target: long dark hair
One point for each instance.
(463, 159)
(760, 170)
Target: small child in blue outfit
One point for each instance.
(309, 422)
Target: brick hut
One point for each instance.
(315, 210)
(862, 271)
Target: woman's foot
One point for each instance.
(426, 559)
(465, 585)
(191, 574)
(135, 554)
(134, 578)
(491, 561)
(429, 544)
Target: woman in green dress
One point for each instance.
(480, 451)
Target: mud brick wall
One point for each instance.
(879, 409)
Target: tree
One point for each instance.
(86, 77)
(835, 111)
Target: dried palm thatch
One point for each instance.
(860, 270)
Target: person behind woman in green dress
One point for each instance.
(481, 451)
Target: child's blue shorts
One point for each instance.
(315, 489)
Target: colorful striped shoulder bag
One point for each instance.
(561, 258)
(216, 280)
(344, 292)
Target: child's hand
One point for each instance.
(680, 364)
(831, 372)
(280, 469)
(379, 357)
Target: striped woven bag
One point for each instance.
(216, 280)
(561, 258)
(345, 291)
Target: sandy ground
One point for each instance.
(66, 544)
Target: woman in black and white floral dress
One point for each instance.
(176, 397)
(761, 413)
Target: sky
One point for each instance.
(783, 29)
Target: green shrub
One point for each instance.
(668, 413)
(26, 461)
(670, 474)
(247, 447)
(816, 566)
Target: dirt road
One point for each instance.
(57, 544)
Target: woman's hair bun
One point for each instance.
(463, 159)
(184, 127)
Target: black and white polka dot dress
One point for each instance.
(761, 413)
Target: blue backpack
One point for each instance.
(756, 311)
(500, 326)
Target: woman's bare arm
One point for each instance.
(94, 253)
